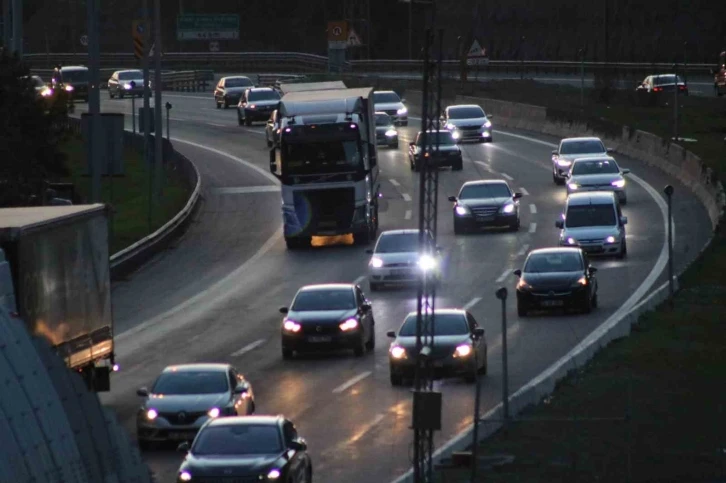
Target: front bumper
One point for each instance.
(386, 140)
(596, 247)
(619, 192)
(480, 134)
(397, 275)
(294, 228)
(442, 160)
(161, 430)
(325, 341)
(566, 298)
(497, 219)
(260, 114)
(448, 366)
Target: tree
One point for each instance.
(31, 130)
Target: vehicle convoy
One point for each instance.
(55, 275)
(597, 173)
(327, 164)
(230, 89)
(594, 221)
(571, 148)
(719, 75)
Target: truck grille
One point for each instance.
(329, 210)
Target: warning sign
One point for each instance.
(476, 55)
(353, 39)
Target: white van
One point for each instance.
(594, 222)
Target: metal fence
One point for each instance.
(52, 428)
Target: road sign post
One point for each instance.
(338, 41)
(137, 35)
(207, 27)
(476, 56)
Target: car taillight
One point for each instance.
(657, 89)
(683, 88)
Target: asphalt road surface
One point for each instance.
(215, 295)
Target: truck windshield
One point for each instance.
(320, 157)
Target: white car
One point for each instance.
(594, 222)
(468, 122)
(597, 173)
(398, 259)
(390, 103)
(572, 148)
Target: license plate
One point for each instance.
(319, 338)
(485, 218)
(401, 272)
(552, 303)
(182, 436)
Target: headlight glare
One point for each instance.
(522, 284)
(427, 262)
(462, 210)
(402, 110)
(563, 162)
(398, 352)
(618, 183)
(273, 474)
(463, 350)
(349, 324)
(69, 88)
(582, 281)
(46, 92)
(151, 414)
(291, 326)
(391, 133)
(185, 476)
(508, 208)
(571, 241)
(376, 262)
(213, 413)
(610, 239)
(573, 186)
(127, 86)
(456, 134)
(488, 124)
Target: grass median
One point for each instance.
(127, 194)
(647, 407)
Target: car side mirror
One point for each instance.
(554, 151)
(284, 310)
(592, 270)
(242, 388)
(626, 171)
(412, 144)
(518, 272)
(452, 199)
(609, 150)
(560, 224)
(490, 116)
(403, 100)
(183, 447)
(623, 220)
(517, 195)
(369, 251)
(391, 334)
(366, 306)
(298, 444)
(143, 392)
(478, 332)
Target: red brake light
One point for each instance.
(657, 89)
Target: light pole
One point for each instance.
(158, 128)
(502, 295)
(133, 108)
(582, 77)
(477, 404)
(685, 63)
(168, 108)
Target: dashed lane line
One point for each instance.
(248, 348)
(351, 382)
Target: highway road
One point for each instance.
(215, 295)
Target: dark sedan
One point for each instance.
(556, 278)
(246, 448)
(440, 150)
(488, 202)
(459, 346)
(73, 79)
(386, 133)
(257, 104)
(229, 90)
(329, 316)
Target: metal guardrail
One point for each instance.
(188, 80)
(298, 62)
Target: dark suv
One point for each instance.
(73, 79)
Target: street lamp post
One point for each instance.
(502, 295)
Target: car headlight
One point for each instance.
(402, 110)
(610, 239)
(618, 183)
(573, 186)
(488, 124)
(151, 414)
(376, 262)
(46, 92)
(273, 474)
(214, 412)
(252, 106)
(523, 285)
(508, 208)
(426, 262)
(462, 210)
(398, 352)
(127, 86)
(456, 134)
(350, 324)
(485, 134)
(185, 476)
(571, 241)
(581, 282)
(391, 133)
(291, 326)
(69, 88)
(563, 163)
(462, 350)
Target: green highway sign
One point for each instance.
(207, 27)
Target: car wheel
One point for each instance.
(248, 121)
(623, 250)
(226, 105)
(521, 309)
(471, 378)
(360, 349)
(557, 180)
(484, 369)
(396, 379)
(594, 301)
(269, 143)
(515, 226)
(371, 344)
(587, 307)
(624, 201)
(286, 354)
(252, 408)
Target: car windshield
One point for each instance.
(442, 137)
(383, 120)
(238, 439)
(320, 157)
(466, 112)
(385, 97)
(238, 82)
(582, 147)
(398, 243)
(267, 95)
(130, 75)
(339, 299)
(598, 166)
(553, 262)
(590, 215)
(444, 324)
(75, 75)
(191, 382)
(665, 80)
(478, 191)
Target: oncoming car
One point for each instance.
(594, 222)
(386, 133)
(440, 150)
(487, 202)
(398, 258)
(257, 104)
(391, 104)
(597, 173)
(468, 122)
(571, 148)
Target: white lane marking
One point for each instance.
(472, 303)
(533, 209)
(408, 215)
(217, 125)
(248, 347)
(235, 190)
(505, 175)
(252, 131)
(524, 191)
(211, 99)
(485, 166)
(359, 280)
(394, 182)
(627, 306)
(406, 197)
(351, 382)
(523, 250)
(532, 227)
(504, 275)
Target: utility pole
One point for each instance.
(17, 23)
(158, 126)
(94, 101)
(147, 108)
(7, 22)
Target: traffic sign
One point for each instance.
(477, 61)
(338, 31)
(353, 39)
(137, 34)
(214, 46)
(203, 27)
(475, 50)
(84, 40)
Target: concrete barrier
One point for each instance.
(651, 149)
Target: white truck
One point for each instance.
(327, 163)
